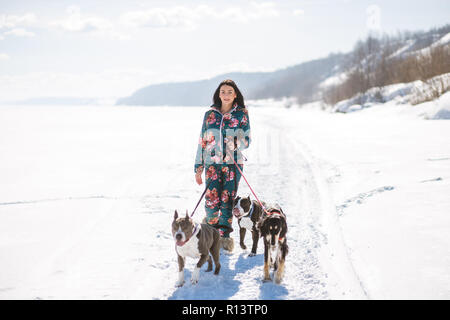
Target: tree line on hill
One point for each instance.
(379, 61)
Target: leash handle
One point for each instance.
(203, 194)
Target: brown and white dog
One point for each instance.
(248, 213)
(196, 241)
(273, 229)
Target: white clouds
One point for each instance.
(3, 56)
(299, 12)
(76, 22)
(179, 17)
(14, 25)
(19, 32)
(190, 17)
(13, 21)
(123, 26)
(263, 10)
(256, 11)
(160, 18)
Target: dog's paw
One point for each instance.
(279, 273)
(217, 270)
(195, 275)
(243, 246)
(180, 280)
(179, 284)
(226, 252)
(251, 254)
(269, 279)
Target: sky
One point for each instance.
(110, 49)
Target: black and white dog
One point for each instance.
(248, 213)
(196, 241)
(273, 228)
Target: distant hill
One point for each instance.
(300, 81)
(193, 93)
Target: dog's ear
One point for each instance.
(235, 201)
(175, 216)
(187, 215)
(248, 196)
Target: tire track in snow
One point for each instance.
(320, 252)
(295, 192)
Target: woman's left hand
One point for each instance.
(230, 145)
(198, 178)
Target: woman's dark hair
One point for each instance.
(239, 98)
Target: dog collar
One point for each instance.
(196, 230)
(272, 212)
(194, 233)
(249, 214)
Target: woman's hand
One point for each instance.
(198, 178)
(230, 144)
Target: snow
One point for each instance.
(87, 197)
(445, 39)
(333, 80)
(389, 172)
(402, 50)
(442, 41)
(405, 93)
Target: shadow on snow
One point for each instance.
(224, 286)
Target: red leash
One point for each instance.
(203, 194)
(242, 174)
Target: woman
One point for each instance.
(225, 132)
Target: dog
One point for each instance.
(248, 213)
(273, 229)
(196, 241)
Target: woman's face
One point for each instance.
(227, 95)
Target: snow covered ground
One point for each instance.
(389, 174)
(87, 196)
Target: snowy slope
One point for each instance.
(87, 198)
(405, 93)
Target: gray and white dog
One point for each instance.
(196, 241)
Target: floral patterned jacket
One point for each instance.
(221, 136)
